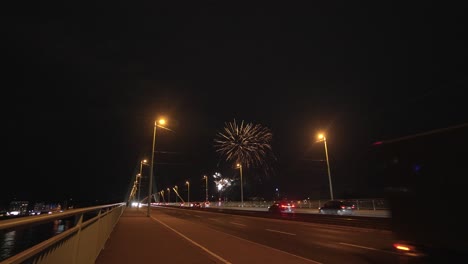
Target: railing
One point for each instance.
(361, 204)
(79, 244)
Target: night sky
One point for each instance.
(82, 86)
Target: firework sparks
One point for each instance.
(248, 144)
(221, 183)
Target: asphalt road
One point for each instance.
(243, 239)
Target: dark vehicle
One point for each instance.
(425, 185)
(196, 205)
(281, 207)
(337, 207)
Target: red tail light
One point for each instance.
(343, 207)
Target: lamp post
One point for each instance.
(324, 139)
(162, 122)
(242, 188)
(206, 188)
(188, 192)
(140, 176)
(176, 191)
(168, 195)
(132, 193)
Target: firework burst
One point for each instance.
(221, 183)
(248, 144)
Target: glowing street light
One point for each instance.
(322, 137)
(188, 192)
(206, 188)
(161, 122)
(140, 176)
(242, 188)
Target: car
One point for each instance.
(281, 207)
(337, 207)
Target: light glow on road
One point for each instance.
(234, 223)
(281, 232)
(369, 248)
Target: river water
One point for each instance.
(15, 241)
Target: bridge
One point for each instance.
(118, 233)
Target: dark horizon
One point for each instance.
(84, 86)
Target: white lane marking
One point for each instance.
(197, 215)
(234, 223)
(281, 232)
(369, 248)
(248, 241)
(272, 248)
(193, 242)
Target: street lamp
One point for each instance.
(162, 195)
(188, 192)
(242, 189)
(168, 195)
(140, 176)
(322, 137)
(206, 188)
(176, 191)
(132, 193)
(162, 122)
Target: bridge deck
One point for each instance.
(140, 239)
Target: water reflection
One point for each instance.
(13, 242)
(7, 243)
(60, 226)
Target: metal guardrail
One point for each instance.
(80, 244)
(380, 223)
(352, 221)
(361, 204)
(376, 216)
